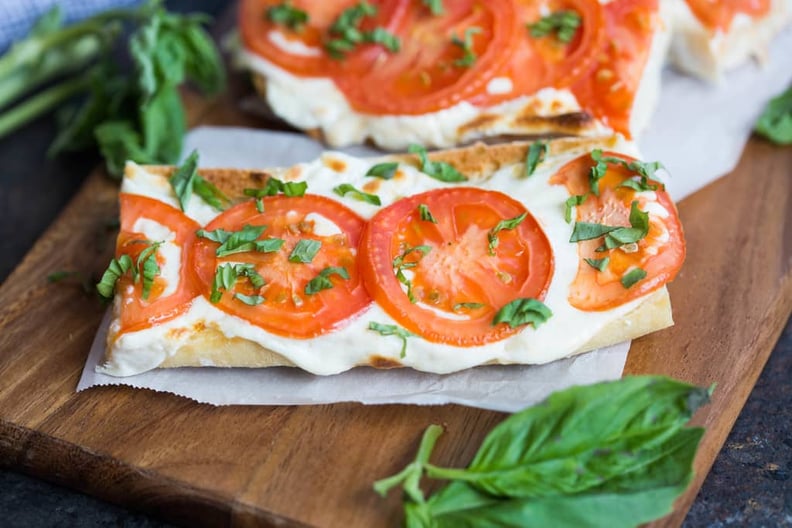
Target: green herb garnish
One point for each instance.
(242, 241)
(775, 123)
(563, 23)
(521, 312)
(285, 14)
(250, 300)
(615, 236)
(632, 277)
(492, 235)
(323, 282)
(598, 264)
(305, 251)
(435, 6)
(114, 271)
(347, 188)
(610, 454)
(385, 170)
(401, 263)
(185, 181)
(468, 306)
(438, 170)
(145, 267)
(573, 201)
(536, 153)
(425, 214)
(347, 34)
(226, 276)
(466, 44)
(392, 330)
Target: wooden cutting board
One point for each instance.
(214, 466)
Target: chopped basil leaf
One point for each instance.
(468, 306)
(536, 153)
(468, 56)
(218, 235)
(275, 186)
(400, 265)
(226, 276)
(633, 276)
(598, 264)
(242, 241)
(347, 34)
(250, 300)
(589, 231)
(563, 23)
(639, 228)
(305, 251)
(114, 271)
(573, 201)
(645, 169)
(323, 282)
(521, 312)
(426, 214)
(775, 123)
(383, 170)
(438, 170)
(260, 205)
(149, 268)
(186, 181)
(597, 172)
(287, 15)
(638, 185)
(511, 223)
(347, 188)
(392, 330)
(435, 6)
(380, 35)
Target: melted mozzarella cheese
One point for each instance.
(353, 343)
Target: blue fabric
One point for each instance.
(18, 16)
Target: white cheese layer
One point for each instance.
(169, 253)
(353, 343)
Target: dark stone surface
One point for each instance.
(749, 484)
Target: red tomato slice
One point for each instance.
(660, 254)
(540, 62)
(138, 313)
(719, 15)
(287, 309)
(609, 88)
(425, 75)
(313, 60)
(457, 285)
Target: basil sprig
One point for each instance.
(438, 170)
(347, 188)
(392, 330)
(614, 455)
(775, 123)
(285, 14)
(185, 181)
(492, 235)
(242, 241)
(520, 312)
(563, 23)
(536, 153)
(225, 279)
(323, 282)
(466, 44)
(305, 250)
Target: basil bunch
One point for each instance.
(611, 455)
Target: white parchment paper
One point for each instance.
(698, 132)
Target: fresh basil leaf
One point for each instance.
(210, 194)
(347, 188)
(639, 228)
(775, 123)
(638, 185)
(147, 263)
(114, 271)
(119, 141)
(521, 312)
(468, 306)
(435, 6)
(536, 153)
(250, 300)
(466, 44)
(392, 330)
(563, 23)
(218, 235)
(589, 231)
(285, 14)
(386, 170)
(242, 241)
(632, 277)
(226, 276)
(425, 214)
(380, 35)
(597, 172)
(614, 454)
(183, 179)
(598, 264)
(492, 235)
(573, 201)
(400, 263)
(438, 170)
(346, 33)
(323, 282)
(305, 250)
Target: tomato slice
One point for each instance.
(608, 90)
(660, 254)
(287, 309)
(457, 285)
(301, 50)
(719, 15)
(429, 72)
(540, 62)
(162, 304)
